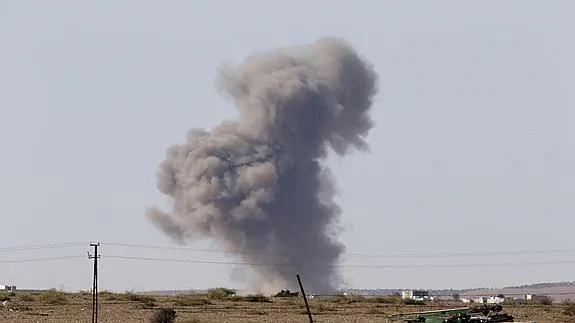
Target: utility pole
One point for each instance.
(304, 299)
(95, 245)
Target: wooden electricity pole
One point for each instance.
(304, 299)
(95, 245)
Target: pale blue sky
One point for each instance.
(473, 149)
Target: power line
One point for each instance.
(532, 263)
(233, 263)
(39, 259)
(41, 247)
(359, 255)
(366, 255)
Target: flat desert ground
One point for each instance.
(55, 306)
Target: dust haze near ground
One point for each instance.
(257, 186)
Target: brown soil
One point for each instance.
(52, 306)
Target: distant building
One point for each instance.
(418, 295)
(485, 300)
(8, 288)
(495, 299)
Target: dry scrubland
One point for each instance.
(219, 306)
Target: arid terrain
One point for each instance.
(217, 306)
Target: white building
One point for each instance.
(418, 295)
(485, 300)
(8, 288)
(495, 300)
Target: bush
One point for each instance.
(109, 296)
(410, 301)
(320, 308)
(144, 300)
(4, 297)
(26, 298)
(164, 315)
(257, 298)
(346, 299)
(254, 298)
(286, 293)
(569, 308)
(385, 299)
(220, 293)
(544, 300)
(191, 300)
(510, 301)
(54, 297)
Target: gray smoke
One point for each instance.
(257, 186)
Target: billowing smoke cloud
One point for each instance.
(257, 185)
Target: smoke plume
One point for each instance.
(257, 186)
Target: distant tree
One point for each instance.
(456, 297)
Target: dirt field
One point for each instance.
(53, 306)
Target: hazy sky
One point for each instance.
(473, 149)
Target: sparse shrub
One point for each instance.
(145, 301)
(384, 299)
(220, 293)
(286, 293)
(5, 297)
(543, 300)
(346, 299)
(26, 298)
(108, 296)
(321, 308)
(510, 301)
(164, 315)
(569, 308)
(54, 297)
(191, 300)
(85, 294)
(291, 301)
(335, 299)
(375, 310)
(410, 301)
(258, 298)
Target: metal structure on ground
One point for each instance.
(480, 314)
